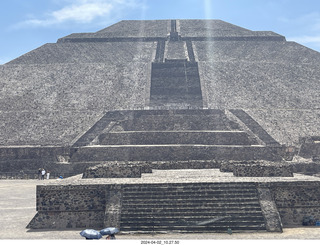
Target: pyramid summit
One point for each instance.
(163, 94)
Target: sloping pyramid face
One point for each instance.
(53, 95)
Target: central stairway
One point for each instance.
(191, 207)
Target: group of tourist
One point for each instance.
(42, 172)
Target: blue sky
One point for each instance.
(28, 24)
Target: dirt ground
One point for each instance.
(18, 206)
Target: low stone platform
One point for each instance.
(134, 169)
(175, 152)
(184, 176)
(258, 168)
(82, 203)
(17, 211)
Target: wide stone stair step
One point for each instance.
(175, 153)
(198, 229)
(176, 137)
(203, 215)
(217, 195)
(201, 207)
(180, 120)
(187, 197)
(191, 209)
(194, 222)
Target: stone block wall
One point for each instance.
(70, 198)
(295, 200)
(15, 159)
(69, 207)
(176, 137)
(77, 206)
(16, 153)
(262, 170)
(115, 170)
(151, 120)
(195, 164)
(94, 206)
(124, 169)
(67, 220)
(175, 152)
(309, 168)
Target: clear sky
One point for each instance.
(28, 24)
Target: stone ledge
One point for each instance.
(264, 169)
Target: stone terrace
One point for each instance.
(183, 176)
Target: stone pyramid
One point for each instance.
(140, 97)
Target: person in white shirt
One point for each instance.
(43, 172)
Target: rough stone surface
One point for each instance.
(72, 95)
(294, 201)
(269, 209)
(19, 209)
(84, 78)
(294, 197)
(114, 170)
(257, 169)
(133, 169)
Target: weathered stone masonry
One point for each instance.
(96, 206)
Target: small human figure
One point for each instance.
(43, 172)
(39, 173)
(48, 174)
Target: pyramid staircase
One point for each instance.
(175, 136)
(175, 82)
(191, 207)
(170, 135)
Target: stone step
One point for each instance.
(180, 206)
(182, 165)
(175, 91)
(175, 81)
(183, 210)
(174, 63)
(190, 186)
(194, 207)
(186, 201)
(195, 203)
(223, 190)
(174, 71)
(214, 121)
(176, 101)
(199, 229)
(175, 152)
(180, 198)
(213, 214)
(175, 223)
(189, 195)
(200, 215)
(104, 121)
(183, 190)
(176, 137)
(175, 112)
